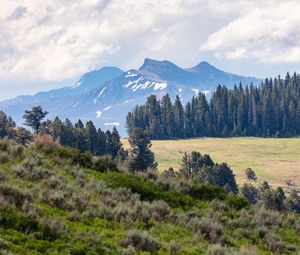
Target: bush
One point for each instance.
(215, 249)
(52, 229)
(159, 210)
(104, 165)
(3, 245)
(14, 195)
(274, 244)
(174, 248)
(208, 229)
(10, 218)
(147, 190)
(74, 216)
(4, 157)
(84, 160)
(129, 251)
(3, 175)
(141, 241)
(4, 144)
(250, 174)
(207, 192)
(122, 213)
(46, 143)
(56, 198)
(268, 218)
(17, 151)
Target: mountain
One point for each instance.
(106, 95)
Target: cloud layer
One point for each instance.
(268, 31)
(61, 39)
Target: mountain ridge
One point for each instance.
(107, 94)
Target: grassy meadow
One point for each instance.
(276, 160)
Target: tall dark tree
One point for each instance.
(116, 142)
(141, 156)
(33, 118)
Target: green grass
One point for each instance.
(273, 159)
(106, 205)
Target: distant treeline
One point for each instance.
(269, 110)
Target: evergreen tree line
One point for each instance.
(269, 110)
(84, 137)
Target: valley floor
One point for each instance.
(276, 160)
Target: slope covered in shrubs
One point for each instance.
(56, 200)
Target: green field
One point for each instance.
(273, 159)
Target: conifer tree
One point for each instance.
(141, 157)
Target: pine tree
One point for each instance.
(92, 137)
(116, 142)
(141, 156)
(178, 118)
(33, 118)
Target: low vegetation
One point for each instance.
(56, 200)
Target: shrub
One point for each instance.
(81, 200)
(129, 251)
(122, 213)
(159, 210)
(3, 245)
(17, 151)
(4, 157)
(74, 216)
(141, 211)
(215, 249)
(14, 195)
(268, 218)
(46, 143)
(250, 193)
(4, 144)
(9, 218)
(147, 190)
(208, 229)
(104, 165)
(56, 198)
(141, 241)
(274, 244)
(174, 248)
(75, 156)
(250, 174)
(3, 175)
(52, 229)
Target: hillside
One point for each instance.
(108, 94)
(276, 160)
(56, 201)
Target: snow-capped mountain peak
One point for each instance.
(106, 95)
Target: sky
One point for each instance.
(51, 43)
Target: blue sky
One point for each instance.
(50, 43)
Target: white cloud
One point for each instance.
(61, 39)
(268, 32)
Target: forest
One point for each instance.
(269, 110)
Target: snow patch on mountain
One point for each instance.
(129, 75)
(160, 86)
(75, 105)
(99, 113)
(196, 91)
(107, 108)
(99, 95)
(76, 85)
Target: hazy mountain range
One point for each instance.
(106, 95)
